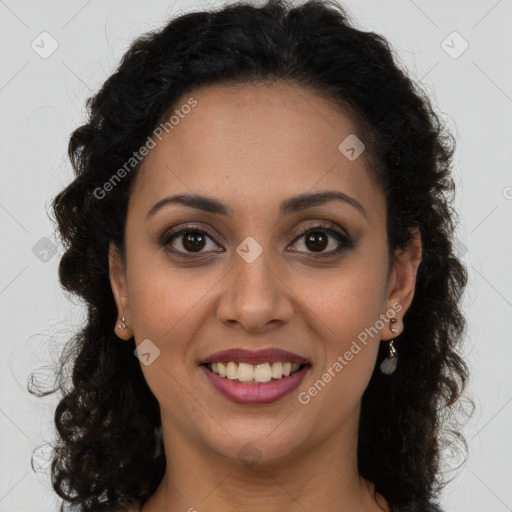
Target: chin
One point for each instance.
(254, 446)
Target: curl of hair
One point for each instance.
(109, 452)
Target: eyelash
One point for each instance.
(343, 239)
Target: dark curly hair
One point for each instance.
(109, 451)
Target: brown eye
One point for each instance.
(324, 241)
(193, 241)
(187, 241)
(317, 240)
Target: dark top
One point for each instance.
(410, 507)
(416, 507)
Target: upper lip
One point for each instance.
(267, 355)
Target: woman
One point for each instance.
(261, 229)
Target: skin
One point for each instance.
(251, 147)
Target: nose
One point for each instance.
(255, 296)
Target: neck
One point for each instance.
(324, 478)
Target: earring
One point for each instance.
(122, 325)
(388, 366)
(123, 331)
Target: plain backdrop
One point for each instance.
(56, 54)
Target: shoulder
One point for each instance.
(417, 506)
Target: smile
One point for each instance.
(254, 373)
(248, 384)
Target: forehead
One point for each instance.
(254, 144)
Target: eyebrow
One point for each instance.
(291, 205)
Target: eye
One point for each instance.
(316, 240)
(193, 240)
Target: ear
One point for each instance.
(117, 276)
(402, 281)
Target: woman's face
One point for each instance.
(249, 282)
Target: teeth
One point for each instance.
(247, 373)
(287, 368)
(231, 370)
(277, 370)
(262, 373)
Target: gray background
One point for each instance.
(42, 101)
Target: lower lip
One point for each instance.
(256, 394)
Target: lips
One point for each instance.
(255, 394)
(240, 355)
(247, 388)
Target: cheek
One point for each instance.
(162, 306)
(163, 298)
(343, 313)
(347, 349)
(347, 300)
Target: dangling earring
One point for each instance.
(388, 366)
(122, 325)
(123, 331)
